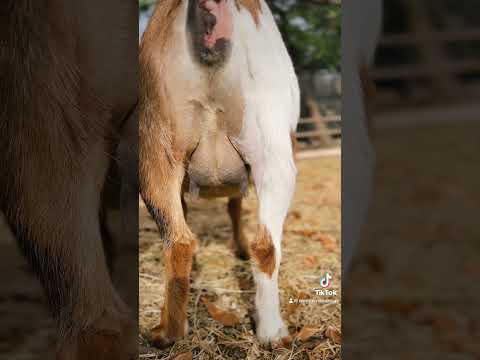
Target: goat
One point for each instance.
(67, 86)
(219, 101)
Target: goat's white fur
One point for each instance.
(272, 96)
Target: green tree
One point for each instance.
(144, 4)
(311, 31)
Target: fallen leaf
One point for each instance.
(448, 323)
(472, 268)
(184, 356)
(427, 195)
(304, 233)
(283, 343)
(296, 214)
(328, 243)
(306, 333)
(329, 200)
(244, 284)
(310, 261)
(226, 318)
(334, 335)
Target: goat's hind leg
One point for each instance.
(275, 183)
(161, 189)
(59, 231)
(240, 243)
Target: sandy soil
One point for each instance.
(311, 246)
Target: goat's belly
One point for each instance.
(216, 169)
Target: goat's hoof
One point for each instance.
(159, 339)
(103, 343)
(241, 250)
(158, 336)
(242, 254)
(274, 337)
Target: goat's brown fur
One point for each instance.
(178, 264)
(240, 241)
(58, 130)
(253, 6)
(263, 251)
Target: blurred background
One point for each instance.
(410, 293)
(428, 55)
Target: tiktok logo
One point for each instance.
(326, 281)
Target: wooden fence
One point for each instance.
(319, 132)
(323, 129)
(435, 76)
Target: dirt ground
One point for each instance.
(311, 246)
(413, 292)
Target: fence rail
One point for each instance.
(324, 131)
(436, 75)
(466, 34)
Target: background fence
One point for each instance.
(429, 60)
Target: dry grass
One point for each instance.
(311, 246)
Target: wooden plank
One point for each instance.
(317, 133)
(414, 39)
(415, 71)
(316, 153)
(328, 119)
(414, 117)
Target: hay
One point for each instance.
(311, 246)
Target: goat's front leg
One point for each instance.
(160, 185)
(274, 179)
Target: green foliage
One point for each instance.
(144, 4)
(311, 32)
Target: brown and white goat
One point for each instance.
(68, 81)
(219, 100)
